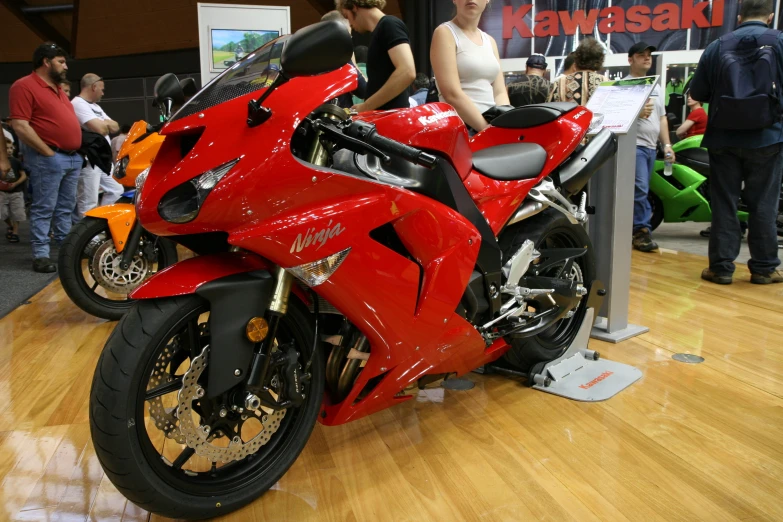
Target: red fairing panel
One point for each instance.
(186, 276)
(498, 200)
(434, 127)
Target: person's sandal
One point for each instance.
(12, 238)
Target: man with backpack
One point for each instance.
(740, 76)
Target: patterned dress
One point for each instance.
(577, 87)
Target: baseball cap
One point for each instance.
(537, 61)
(640, 47)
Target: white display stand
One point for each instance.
(236, 17)
(611, 192)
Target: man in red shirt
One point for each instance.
(696, 123)
(46, 124)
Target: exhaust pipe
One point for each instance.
(526, 210)
(577, 171)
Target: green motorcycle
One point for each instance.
(685, 195)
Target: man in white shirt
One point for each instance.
(92, 118)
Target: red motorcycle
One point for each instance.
(343, 263)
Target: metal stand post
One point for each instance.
(611, 193)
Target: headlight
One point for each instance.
(140, 179)
(595, 125)
(315, 273)
(182, 203)
(120, 167)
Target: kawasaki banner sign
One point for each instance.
(555, 27)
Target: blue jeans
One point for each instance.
(53, 182)
(760, 170)
(642, 211)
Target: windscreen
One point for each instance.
(256, 71)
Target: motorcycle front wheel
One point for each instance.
(161, 440)
(89, 268)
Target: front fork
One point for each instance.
(262, 357)
(131, 245)
(259, 365)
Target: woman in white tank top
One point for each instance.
(467, 65)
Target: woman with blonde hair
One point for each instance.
(467, 65)
(580, 85)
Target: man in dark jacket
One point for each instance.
(752, 157)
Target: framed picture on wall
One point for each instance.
(231, 45)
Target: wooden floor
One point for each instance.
(686, 442)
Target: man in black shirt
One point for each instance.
(390, 65)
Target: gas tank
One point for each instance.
(434, 126)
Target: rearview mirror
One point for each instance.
(169, 93)
(188, 87)
(317, 49)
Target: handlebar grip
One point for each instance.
(367, 133)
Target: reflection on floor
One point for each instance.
(686, 442)
(685, 237)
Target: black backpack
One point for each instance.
(746, 95)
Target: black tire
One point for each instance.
(657, 210)
(69, 264)
(121, 439)
(553, 227)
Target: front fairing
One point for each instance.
(203, 140)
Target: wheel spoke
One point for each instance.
(163, 389)
(183, 458)
(94, 286)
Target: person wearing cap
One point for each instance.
(532, 87)
(466, 63)
(651, 126)
(579, 86)
(46, 124)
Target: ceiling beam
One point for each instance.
(322, 6)
(74, 27)
(41, 9)
(37, 24)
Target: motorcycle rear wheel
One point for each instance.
(550, 229)
(79, 282)
(126, 441)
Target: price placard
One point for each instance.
(620, 102)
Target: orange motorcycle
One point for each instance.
(108, 254)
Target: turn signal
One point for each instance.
(256, 329)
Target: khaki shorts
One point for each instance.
(12, 206)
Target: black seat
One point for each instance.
(533, 115)
(696, 158)
(511, 162)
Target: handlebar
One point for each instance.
(367, 133)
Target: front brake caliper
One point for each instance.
(292, 376)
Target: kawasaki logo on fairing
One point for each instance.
(311, 237)
(426, 120)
